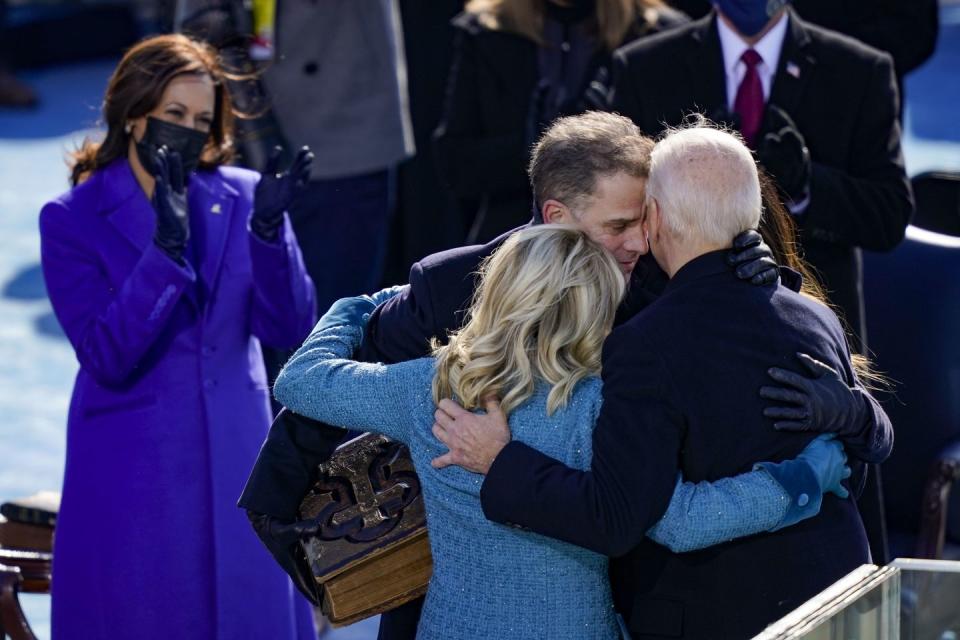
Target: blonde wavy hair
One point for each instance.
(613, 18)
(545, 303)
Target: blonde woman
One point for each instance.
(544, 306)
(517, 65)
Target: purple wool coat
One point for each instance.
(169, 410)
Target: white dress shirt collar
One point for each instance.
(769, 47)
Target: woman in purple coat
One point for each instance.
(167, 270)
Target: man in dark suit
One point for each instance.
(820, 109)
(906, 29)
(822, 117)
(680, 393)
(602, 191)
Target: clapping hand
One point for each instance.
(276, 191)
(170, 204)
(725, 118)
(783, 152)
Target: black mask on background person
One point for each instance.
(185, 141)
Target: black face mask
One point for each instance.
(185, 141)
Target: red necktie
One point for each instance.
(749, 100)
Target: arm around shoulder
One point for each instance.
(636, 441)
(321, 383)
(401, 328)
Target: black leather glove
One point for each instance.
(170, 203)
(822, 403)
(281, 540)
(725, 118)
(276, 191)
(752, 259)
(597, 94)
(783, 153)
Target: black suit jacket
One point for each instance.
(843, 97)
(906, 29)
(699, 354)
(680, 393)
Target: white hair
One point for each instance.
(706, 183)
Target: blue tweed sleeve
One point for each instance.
(321, 382)
(702, 514)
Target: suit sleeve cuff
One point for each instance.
(801, 486)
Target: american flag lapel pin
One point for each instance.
(793, 69)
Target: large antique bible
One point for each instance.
(371, 551)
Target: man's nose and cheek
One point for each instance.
(635, 244)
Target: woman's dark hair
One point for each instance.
(779, 231)
(135, 89)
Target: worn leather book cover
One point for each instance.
(16, 535)
(371, 552)
(40, 508)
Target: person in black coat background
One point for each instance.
(422, 201)
(517, 65)
(836, 156)
(829, 135)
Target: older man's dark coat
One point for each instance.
(680, 387)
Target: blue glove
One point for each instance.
(385, 294)
(817, 470)
(822, 403)
(752, 259)
(347, 312)
(829, 463)
(276, 191)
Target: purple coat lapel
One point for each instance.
(125, 204)
(214, 200)
(129, 210)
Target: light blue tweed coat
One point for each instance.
(489, 580)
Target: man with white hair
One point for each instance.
(704, 191)
(697, 357)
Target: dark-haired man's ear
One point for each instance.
(555, 212)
